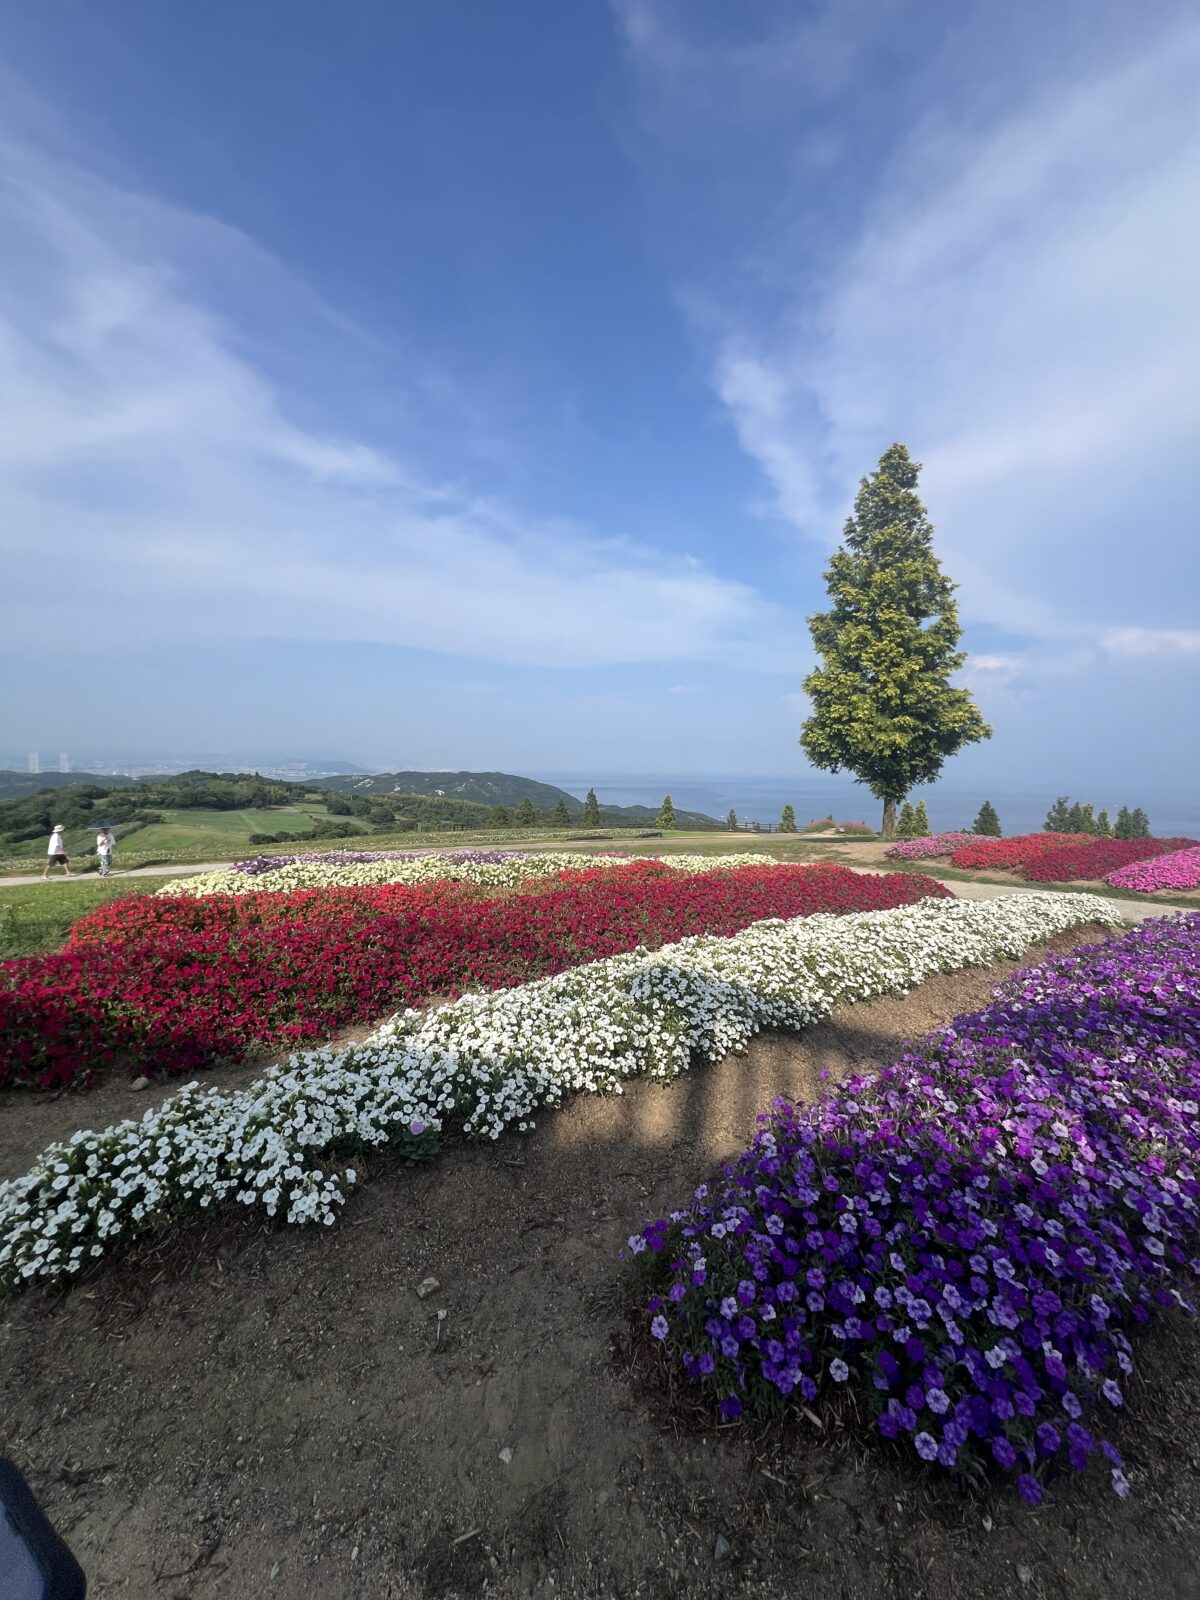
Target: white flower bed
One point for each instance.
(487, 1062)
(430, 868)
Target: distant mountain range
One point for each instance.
(479, 788)
(499, 789)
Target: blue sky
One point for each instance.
(480, 385)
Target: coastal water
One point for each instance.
(760, 799)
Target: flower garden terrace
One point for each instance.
(956, 1251)
(486, 1063)
(169, 983)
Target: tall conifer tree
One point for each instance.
(884, 707)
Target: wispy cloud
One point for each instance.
(154, 451)
(1016, 297)
(1153, 641)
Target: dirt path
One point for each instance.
(280, 1414)
(180, 869)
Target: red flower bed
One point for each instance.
(1004, 854)
(1096, 858)
(170, 985)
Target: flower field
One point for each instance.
(963, 1242)
(494, 868)
(171, 983)
(485, 1063)
(1097, 859)
(937, 844)
(1007, 854)
(1178, 870)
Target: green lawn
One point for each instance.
(223, 831)
(36, 916)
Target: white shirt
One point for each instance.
(104, 843)
(56, 846)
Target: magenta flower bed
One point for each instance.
(938, 844)
(962, 1244)
(1178, 870)
(1095, 858)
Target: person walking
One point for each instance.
(56, 851)
(104, 850)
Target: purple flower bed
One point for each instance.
(965, 1240)
(1178, 870)
(353, 858)
(938, 844)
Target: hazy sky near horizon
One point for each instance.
(485, 386)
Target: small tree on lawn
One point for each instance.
(1058, 818)
(731, 822)
(921, 828)
(560, 817)
(591, 810)
(526, 815)
(907, 821)
(884, 707)
(1104, 826)
(787, 820)
(666, 814)
(499, 817)
(1139, 824)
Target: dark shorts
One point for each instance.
(60, 859)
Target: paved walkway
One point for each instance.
(180, 869)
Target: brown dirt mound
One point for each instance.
(281, 1414)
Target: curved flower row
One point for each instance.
(1178, 870)
(1096, 858)
(937, 844)
(462, 866)
(485, 1063)
(964, 1239)
(257, 865)
(1014, 852)
(176, 983)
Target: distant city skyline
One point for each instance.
(492, 385)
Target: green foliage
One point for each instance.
(1058, 818)
(525, 816)
(666, 814)
(883, 703)
(1139, 824)
(921, 828)
(787, 820)
(988, 821)
(906, 822)
(1104, 826)
(499, 817)
(560, 817)
(731, 822)
(591, 810)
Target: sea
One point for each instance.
(761, 799)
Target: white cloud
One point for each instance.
(1153, 641)
(157, 481)
(1018, 298)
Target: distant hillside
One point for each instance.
(498, 789)
(16, 785)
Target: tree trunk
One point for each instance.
(889, 819)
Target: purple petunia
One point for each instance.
(995, 1212)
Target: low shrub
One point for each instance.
(963, 1242)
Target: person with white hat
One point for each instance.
(56, 851)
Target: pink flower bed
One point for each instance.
(1178, 870)
(938, 844)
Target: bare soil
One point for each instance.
(278, 1412)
